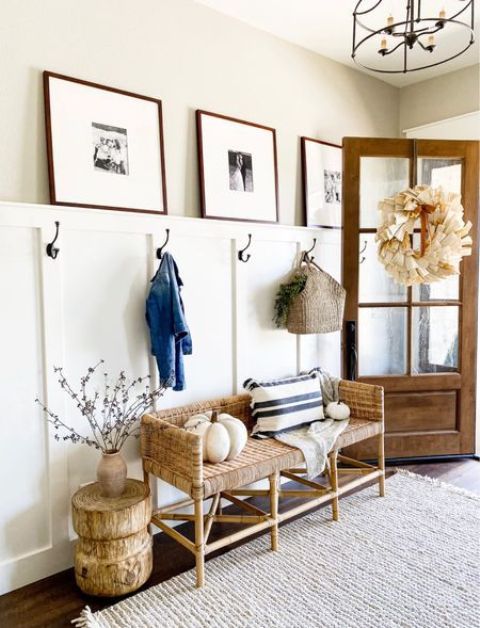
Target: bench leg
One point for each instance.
(381, 464)
(146, 481)
(273, 479)
(199, 544)
(334, 483)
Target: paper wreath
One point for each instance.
(444, 238)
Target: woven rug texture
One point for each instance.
(410, 560)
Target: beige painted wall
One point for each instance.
(443, 97)
(191, 57)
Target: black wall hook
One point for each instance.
(52, 250)
(160, 250)
(307, 253)
(306, 257)
(312, 247)
(241, 254)
(362, 250)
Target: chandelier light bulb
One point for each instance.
(443, 14)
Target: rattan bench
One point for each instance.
(175, 456)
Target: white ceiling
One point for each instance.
(325, 26)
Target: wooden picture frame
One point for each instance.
(123, 131)
(322, 165)
(238, 172)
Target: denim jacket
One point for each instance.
(169, 333)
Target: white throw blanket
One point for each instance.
(317, 439)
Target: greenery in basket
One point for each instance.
(111, 416)
(285, 294)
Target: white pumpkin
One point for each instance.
(237, 432)
(338, 411)
(223, 436)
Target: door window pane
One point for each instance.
(382, 340)
(445, 173)
(375, 285)
(447, 289)
(380, 177)
(435, 339)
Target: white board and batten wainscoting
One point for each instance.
(89, 304)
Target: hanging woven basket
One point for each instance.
(318, 309)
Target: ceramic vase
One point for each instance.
(112, 474)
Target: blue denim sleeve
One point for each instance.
(187, 345)
(153, 322)
(162, 339)
(180, 327)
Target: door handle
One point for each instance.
(351, 349)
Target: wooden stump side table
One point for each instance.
(113, 554)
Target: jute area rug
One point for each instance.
(409, 560)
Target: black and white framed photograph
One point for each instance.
(109, 148)
(105, 146)
(322, 183)
(238, 169)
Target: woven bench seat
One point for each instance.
(258, 460)
(261, 458)
(358, 430)
(175, 456)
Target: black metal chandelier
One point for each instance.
(405, 42)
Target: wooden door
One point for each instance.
(419, 343)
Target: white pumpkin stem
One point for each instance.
(214, 418)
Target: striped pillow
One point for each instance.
(284, 404)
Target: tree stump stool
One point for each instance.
(113, 555)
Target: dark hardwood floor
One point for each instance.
(53, 602)
(462, 473)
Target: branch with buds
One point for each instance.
(112, 416)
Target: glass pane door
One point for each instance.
(403, 331)
(418, 343)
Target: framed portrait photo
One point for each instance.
(322, 183)
(105, 146)
(238, 169)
